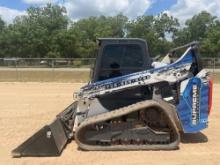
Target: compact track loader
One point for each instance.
(131, 103)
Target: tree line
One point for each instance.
(47, 32)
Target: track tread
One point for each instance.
(168, 109)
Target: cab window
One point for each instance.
(118, 60)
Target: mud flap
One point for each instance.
(48, 141)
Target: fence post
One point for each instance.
(16, 69)
(53, 74)
(214, 66)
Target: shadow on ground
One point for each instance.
(194, 138)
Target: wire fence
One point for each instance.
(211, 63)
(46, 62)
(62, 69)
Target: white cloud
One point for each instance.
(185, 9)
(38, 1)
(77, 9)
(84, 8)
(8, 14)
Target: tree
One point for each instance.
(88, 30)
(2, 25)
(211, 44)
(32, 35)
(200, 24)
(48, 32)
(63, 43)
(195, 28)
(165, 25)
(2, 28)
(50, 17)
(154, 31)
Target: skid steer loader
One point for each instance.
(131, 103)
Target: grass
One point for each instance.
(44, 75)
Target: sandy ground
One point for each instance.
(26, 107)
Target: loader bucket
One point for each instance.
(48, 141)
(51, 139)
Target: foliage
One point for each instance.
(34, 34)
(48, 32)
(201, 27)
(87, 31)
(2, 25)
(211, 44)
(154, 30)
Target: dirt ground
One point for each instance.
(26, 107)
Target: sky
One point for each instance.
(77, 9)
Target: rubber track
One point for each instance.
(167, 109)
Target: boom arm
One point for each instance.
(171, 73)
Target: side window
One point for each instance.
(133, 56)
(118, 60)
(112, 54)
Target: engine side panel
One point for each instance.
(193, 106)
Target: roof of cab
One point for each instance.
(121, 40)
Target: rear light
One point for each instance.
(210, 95)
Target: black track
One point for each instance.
(116, 130)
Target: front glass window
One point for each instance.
(118, 60)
